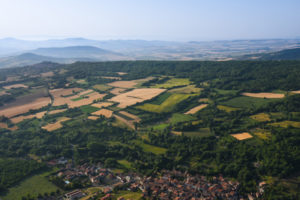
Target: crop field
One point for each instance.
(136, 96)
(201, 132)
(132, 116)
(56, 125)
(8, 87)
(262, 134)
(178, 117)
(62, 96)
(18, 119)
(161, 98)
(111, 77)
(186, 90)
(102, 87)
(102, 104)
(121, 73)
(88, 109)
(106, 113)
(196, 109)
(129, 195)
(264, 95)
(174, 82)
(202, 100)
(47, 74)
(226, 108)
(160, 127)
(52, 112)
(5, 126)
(123, 84)
(242, 136)
(117, 91)
(261, 117)
(150, 148)
(34, 185)
(93, 117)
(286, 124)
(247, 102)
(62, 92)
(296, 92)
(167, 106)
(126, 122)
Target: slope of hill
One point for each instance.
(288, 54)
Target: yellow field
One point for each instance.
(176, 133)
(123, 84)
(122, 73)
(117, 91)
(18, 119)
(89, 97)
(56, 125)
(136, 96)
(296, 92)
(261, 117)
(226, 108)
(20, 109)
(196, 109)
(8, 87)
(262, 134)
(134, 117)
(264, 95)
(106, 113)
(286, 124)
(56, 111)
(93, 117)
(102, 104)
(242, 136)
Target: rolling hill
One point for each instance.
(288, 54)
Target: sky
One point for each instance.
(172, 20)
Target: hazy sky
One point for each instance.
(150, 19)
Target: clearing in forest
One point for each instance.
(264, 95)
(167, 106)
(136, 96)
(242, 136)
(105, 112)
(261, 117)
(196, 109)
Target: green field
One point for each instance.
(262, 134)
(125, 164)
(161, 98)
(286, 124)
(102, 87)
(167, 106)
(37, 184)
(248, 102)
(226, 92)
(201, 132)
(186, 90)
(88, 109)
(261, 117)
(159, 127)
(174, 82)
(129, 195)
(150, 148)
(178, 117)
(226, 108)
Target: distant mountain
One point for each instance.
(288, 54)
(29, 59)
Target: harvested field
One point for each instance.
(122, 73)
(56, 93)
(47, 74)
(196, 109)
(242, 136)
(117, 91)
(261, 117)
(18, 119)
(111, 77)
(176, 133)
(105, 112)
(93, 117)
(86, 101)
(8, 87)
(123, 84)
(136, 96)
(102, 104)
(296, 92)
(264, 95)
(56, 125)
(20, 109)
(186, 90)
(5, 126)
(134, 117)
(56, 111)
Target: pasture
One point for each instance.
(262, 134)
(178, 117)
(174, 82)
(186, 90)
(247, 102)
(150, 148)
(136, 96)
(88, 109)
(167, 106)
(286, 124)
(201, 132)
(261, 117)
(102, 87)
(226, 108)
